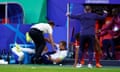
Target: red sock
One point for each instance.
(97, 57)
(82, 60)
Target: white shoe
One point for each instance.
(79, 65)
(3, 62)
(90, 66)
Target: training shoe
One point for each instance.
(79, 65)
(3, 61)
(90, 66)
(98, 65)
(82, 62)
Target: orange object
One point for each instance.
(82, 61)
(98, 65)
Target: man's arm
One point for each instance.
(100, 17)
(51, 41)
(47, 39)
(109, 26)
(73, 16)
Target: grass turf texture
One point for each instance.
(54, 68)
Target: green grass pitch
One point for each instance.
(54, 68)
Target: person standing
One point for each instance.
(113, 29)
(107, 42)
(76, 50)
(37, 32)
(87, 32)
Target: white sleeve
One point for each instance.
(63, 55)
(50, 30)
(57, 46)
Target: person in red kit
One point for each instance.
(98, 53)
(107, 41)
(112, 28)
(76, 46)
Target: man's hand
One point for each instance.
(105, 11)
(47, 39)
(52, 42)
(68, 14)
(98, 31)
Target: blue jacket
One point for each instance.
(88, 21)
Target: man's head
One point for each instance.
(115, 11)
(62, 45)
(87, 9)
(51, 23)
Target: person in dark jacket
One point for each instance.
(87, 32)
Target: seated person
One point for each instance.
(19, 51)
(57, 56)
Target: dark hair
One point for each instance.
(77, 36)
(88, 8)
(115, 12)
(51, 23)
(63, 43)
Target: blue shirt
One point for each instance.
(88, 21)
